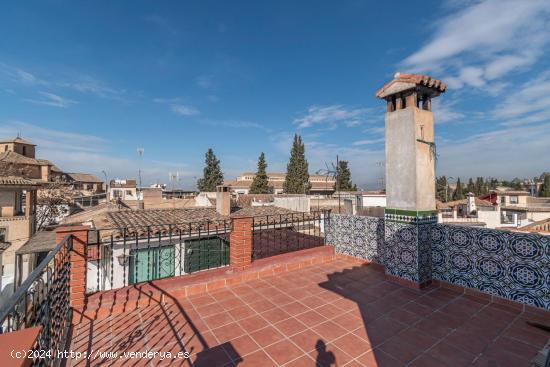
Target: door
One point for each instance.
(150, 264)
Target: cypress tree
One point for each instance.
(545, 190)
(459, 191)
(471, 187)
(344, 177)
(442, 192)
(212, 173)
(260, 183)
(297, 176)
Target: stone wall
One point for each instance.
(511, 265)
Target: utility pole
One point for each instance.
(140, 152)
(338, 182)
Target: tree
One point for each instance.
(297, 176)
(471, 187)
(545, 189)
(344, 178)
(442, 191)
(54, 201)
(260, 183)
(459, 191)
(212, 174)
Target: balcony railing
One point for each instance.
(282, 233)
(43, 300)
(118, 257)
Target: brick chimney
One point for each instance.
(223, 200)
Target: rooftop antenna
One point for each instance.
(329, 171)
(174, 177)
(140, 152)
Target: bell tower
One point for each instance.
(410, 175)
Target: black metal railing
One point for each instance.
(130, 255)
(43, 300)
(282, 233)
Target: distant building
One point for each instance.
(320, 185)
(17, 225)
(501, 208)
(125, 190)
(20, 154)
(84, 182)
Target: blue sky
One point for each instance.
(91, 82)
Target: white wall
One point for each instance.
(298, 203)
(371, 200)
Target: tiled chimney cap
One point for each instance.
(402, 82)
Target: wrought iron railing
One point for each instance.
(282, 233)
(122, 256)
(43, 300)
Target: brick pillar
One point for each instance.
(78, 258)
(240, 243)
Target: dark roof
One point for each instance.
(14, 157)
(17, 140)
(83, 177)
(41, 241)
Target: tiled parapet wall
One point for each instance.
(407, 245)
(510, 265)
(360, 237)
(407, 251)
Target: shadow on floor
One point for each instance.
(164, 327)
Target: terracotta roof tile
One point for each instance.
(410, 81)
(14, 180)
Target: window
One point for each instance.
(3, 234)
(514, 200)
(502, 200)
(117, 193)
(6, 148)
(24, 150)
(128, 192)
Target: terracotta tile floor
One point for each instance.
(331, 314)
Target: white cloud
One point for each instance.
(234, 124)
(184, 110)
(529, 103)
(51, 99)
(368, 142)
(81, 83)
(519, 151)
(19, 75)
(332, 116)
(178, 106)
(485, 41)
(90, 85)
(74, 152)
(445, 111)
(205, 81)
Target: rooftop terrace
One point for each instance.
(336, 313)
